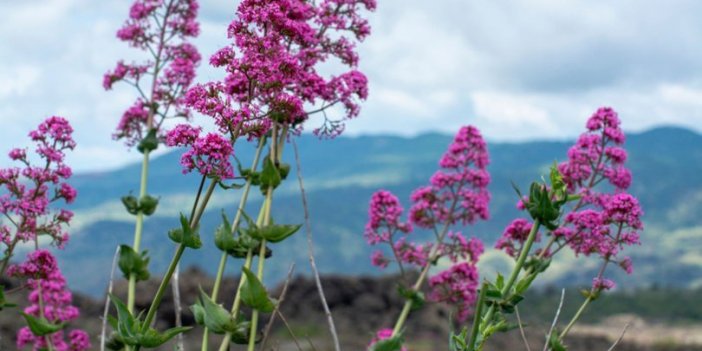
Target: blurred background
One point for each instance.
(527, 73)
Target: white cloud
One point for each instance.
(516, 69)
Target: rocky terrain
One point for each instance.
(361, 305)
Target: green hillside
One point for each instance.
(341, 175)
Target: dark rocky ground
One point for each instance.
(360, 305)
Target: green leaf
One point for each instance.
(417, 297)
(523, 284)
(115, 343)
(185, 235)
(148, 204)
(270, 176)
(391, 344)
(254, 294)
(275, 233)
(215, 317)
(127, 325)
(40, 326)
(555, 343)
(224, 239)
(152, 338)
(149, 143)
(131, 204)
(500, 281)
(284, 170)
(131, 262)
(3, 301)
(198, 313)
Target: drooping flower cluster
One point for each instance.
(29, 190)
(209, 154)
(161, 27)
(50, 292)
(273, 65)
(605, 219)
(457, 195)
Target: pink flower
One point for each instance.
(602, 284)
(457, 286)
(162, 29)
(45, 279)
(384, 218)
(515, 233)
(30, 191)
(272, 65)
(379, 260)
(382, 334)
(458, 192)
(208, 154)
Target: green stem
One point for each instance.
(515, 272)
(575, 317)
(235, 226)
(255, 315)
(138, 230)
(259, 274)
(174, 262)
(242, 280)
(407, 308)
(478, 314)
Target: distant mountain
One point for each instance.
(340, 176)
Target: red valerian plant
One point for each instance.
(161, 28)
(28, 206)
(271, 87)
(457, 194)
(585, 207)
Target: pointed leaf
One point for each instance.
(254, 294)
(40, 326)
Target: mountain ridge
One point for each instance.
(341, 174)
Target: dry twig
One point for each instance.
(555, 321)
(521, 329)
(310, 249)
(103, 333)
(281, 298)
(620, 337)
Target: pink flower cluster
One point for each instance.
(48, 290)
(162, 28)
(606, 218)
(457, 195)
(209, 154)
(272, 65)
(29, 190)
(514, 237)
(382, 334)
(458, 191)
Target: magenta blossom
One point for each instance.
(458, 191)
(161, 28)
(209, 154)
(50, 292)
(272, 66)
(29, 190)
(382, 334)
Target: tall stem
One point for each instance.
(259, 274)
(176, 258)
(575, 317)
(433, 255)
(138, 230)
(235, 226)
(515, 272)
(242, 280)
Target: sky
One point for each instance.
(518, 70)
